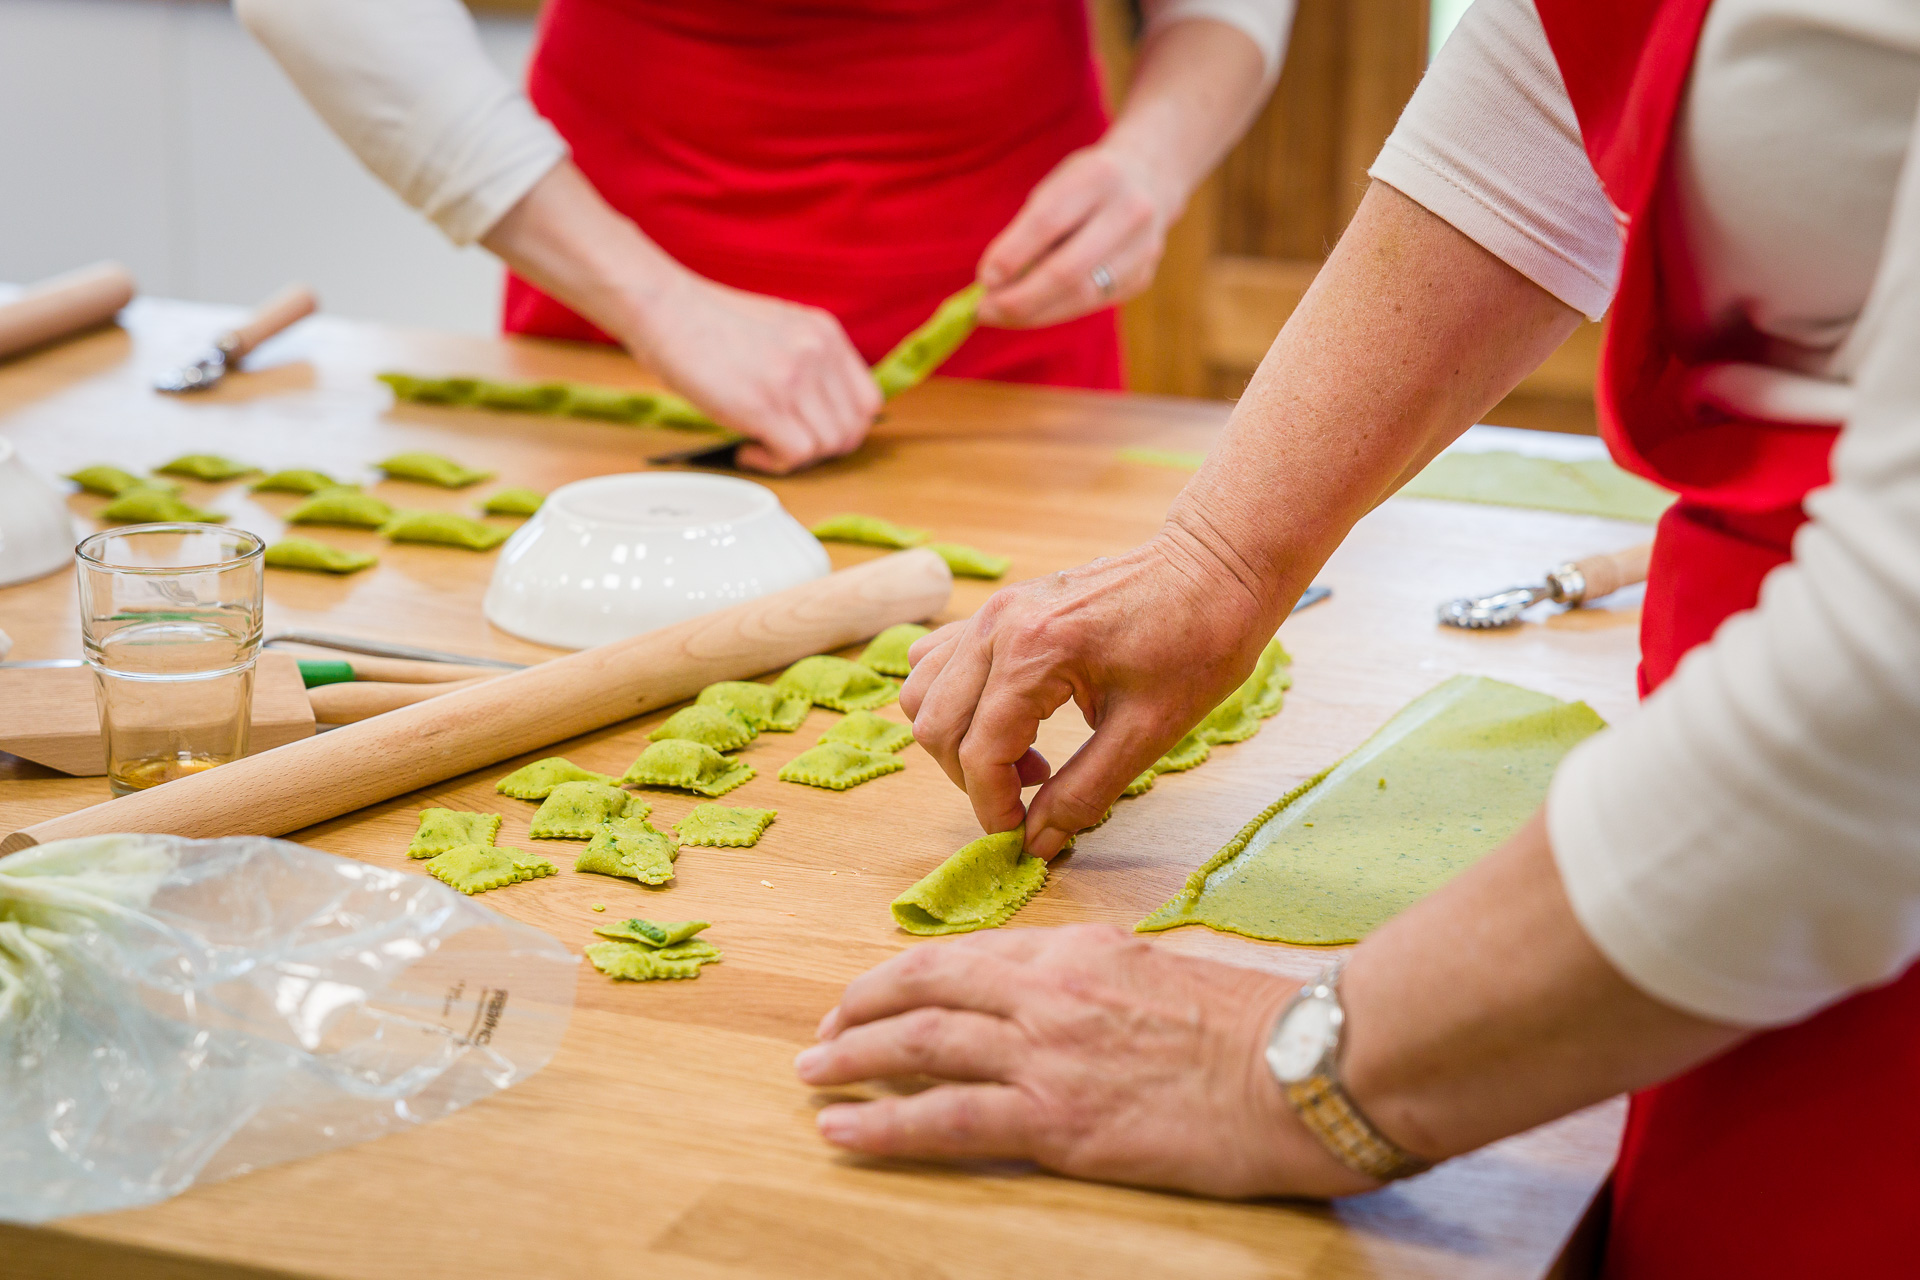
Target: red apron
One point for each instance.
(1797, 1153)
(856, 155)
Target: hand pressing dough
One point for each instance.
(888, 652)
(210, 467)
(836, 766)
(111, 482)
(870, 531)
(536, 781)
(150, 506)
(576, 810)
(444, 829)
(686, 766)
(431, 468)
(629, 847)
(343, 504)
(305, 553)
(299, 480)
(722, 826)
(477, 868)
(979, 887)
(971, 562)
(837, 684)
(872, 732)
(513, 502)
(766, 708)
(444, 528)
(716, 727)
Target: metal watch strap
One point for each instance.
(1325, 1107)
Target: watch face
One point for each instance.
(1301, 1040)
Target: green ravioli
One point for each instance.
(445, 528)
(1592, 487)
(631, 962)
(111, 482)
(837, 684)
(299, 480)
(477, 868)
(143, 505)
(888, 652)
(344, 504)
(688, 766)
(925, 349)
(536, 781)
(629, 847)
(431, 468)
(210, 467)
(970, 562)
(444, 829)
(874, 733)
(723, 826)
(980, 887)
(838, 766)
(717, 727)
(305, 553)
(513, 502)
(869, 530)
(766, 708)
(576, 810)
(653, 933)
(1443, 782)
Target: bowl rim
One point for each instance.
(764, 500)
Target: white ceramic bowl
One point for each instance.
(36, 531)
(617, 555)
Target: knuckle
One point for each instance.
(920, 1034)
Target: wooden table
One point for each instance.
(670, 1134)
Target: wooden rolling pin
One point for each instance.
(352, 701)
(64, 305)
(323, 777)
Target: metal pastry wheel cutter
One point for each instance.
(1571, 585)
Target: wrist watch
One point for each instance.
(1303, 1052)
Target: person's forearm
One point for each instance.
(1410, 332)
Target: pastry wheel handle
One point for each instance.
(1600, 575)
(289, 306)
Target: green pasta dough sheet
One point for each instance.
(210, 467)
(1189, 753)
(344, 504)
(980, 887)
(478, 868)
(837, 766)
(653, 933)
(629, 847)
(1173, 459)
(513, 502)
(1141, 785)
(1446, 780)
(837, 684)
(444, 528)
(111, 482)
(686, 766)
(1592, 486)
(444, 829)
(925, 349)
(148, 506)
(431, 468)
(305, 553)
(630, 962)
(717, 727)
(874, 733)
(766, 708)
(536, 781)
(299, 480)
(870, 531)
(888, 652)
(576, 810)
(970, 562)
(721, 826)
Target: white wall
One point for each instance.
(158, 133)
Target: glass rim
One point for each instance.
(87, 557)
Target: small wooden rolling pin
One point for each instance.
(323, 777)
(68, 304)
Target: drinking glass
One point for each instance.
(170, 617)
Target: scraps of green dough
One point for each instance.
(875, 733)
(653, 933)
(143, 505)
(305, 553)
(444, 829)
(837, 766)
(980, 887)
(869, 531)
(298, 480)
(1258, 698)
(513, 502)
(1189, 753)
(445, 528)
(576, 810)
(721, 728)
(631, 962)
(623, 405)
(722, 826)
(1463, 766)
(766, 708)
(210, 467)
(686, 766)
(477, 868)
(970, 562)
(431, 468)
(110, 481)
(344, 504)
(1591, 486)
(918, 354)
(1174, 459)
(838, 684)
(536, 781)
(887, 654)
(629, 847)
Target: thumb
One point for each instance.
(1079, 795)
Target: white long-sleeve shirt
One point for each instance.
(407, 86)
(1746, 846)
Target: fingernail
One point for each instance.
(807, 1060)
(838, 1124)
(1047, 843)
(827, 1024)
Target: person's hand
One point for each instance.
(1086, 1050)
(783, 374)
(1099, 208)
(1145, 644)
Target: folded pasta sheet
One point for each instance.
(979, 887)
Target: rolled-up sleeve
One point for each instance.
(1267, 23)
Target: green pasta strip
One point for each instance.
(148, 506)
(837, 766)
(925, 349)
(870, 531)
(687, 766)
(576, 810)
(111, 482)
(1443, 782)
(444, 528)
(345, 505)
(431, 468)
(653, 933)
(1594, 486)
(305, 553)
(722, 826)
(523, 397)
(629, 962)
(969, 562)
(837, 684)
(979, 887)
(1189, 753)
(888, 652)
(1141, 785)
(716, 727)
(629, 847)
(444, 829)
(536, 781)
(872, 732)
(513, 502)
(477, 868)
(766, 708)
(299, 480)
(210, 467)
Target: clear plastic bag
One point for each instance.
(178, 1011)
